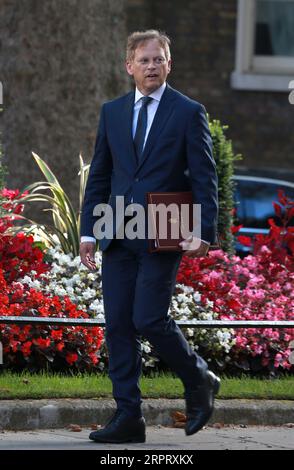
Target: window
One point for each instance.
(265, 45)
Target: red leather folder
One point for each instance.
(176, 220)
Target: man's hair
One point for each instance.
(140, 37)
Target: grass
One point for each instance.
(44, 385)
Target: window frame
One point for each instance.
(264, 73)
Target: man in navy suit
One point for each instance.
(152, 139)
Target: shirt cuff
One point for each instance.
(88, 239)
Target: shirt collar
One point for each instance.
(156, 95)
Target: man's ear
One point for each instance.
(169, 65)
(129, 68)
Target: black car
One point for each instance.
(254, 197)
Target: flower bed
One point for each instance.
(218, 286)
(30, 346)
(35, 346)
(258, 287)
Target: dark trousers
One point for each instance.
(137, 290)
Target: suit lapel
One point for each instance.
(126, 127)
(162, 114)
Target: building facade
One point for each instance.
(60, 60)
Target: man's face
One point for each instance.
(149, 66)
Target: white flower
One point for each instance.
(68, 282)
(149, 364)
(97, 306)
(146, 348)
(26, 280)
(70, 290)
(38, 234)
(100, 317)
(83, 268)
(226, 336)
(55, 254)
(56, 269)
(186, 289)
(36, 284)
(98, 257)
(75, 263)
(60, 291)
(75, 279)
(182, 298)
(64, 259)
(51, 252)
(186, 311)
(197, 297)
(88, 293)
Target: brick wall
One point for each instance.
(59, 61)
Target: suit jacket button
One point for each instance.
(137, 179)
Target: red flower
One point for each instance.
(234, 304)
(26, 348)
(18, 253)
(14, 345)
(42, 343)
(71, 358)
(56, 334)
(9, 193)
(246, 241)
(94, 358)
(282, 197)
(235, 228)
(60, 346)
(278, 209)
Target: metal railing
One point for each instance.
(182, 323)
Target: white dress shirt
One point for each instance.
(151, 110)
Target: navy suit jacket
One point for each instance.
(177, 157)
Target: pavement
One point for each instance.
(158, 438)
(65, 424)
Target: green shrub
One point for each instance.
(225, 158)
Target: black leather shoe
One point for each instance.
(199, 403)
(121, 428)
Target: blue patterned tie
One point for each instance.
(141, 127)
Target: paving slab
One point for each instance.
(158, 438)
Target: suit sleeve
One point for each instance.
(202, 172)
(98, 187)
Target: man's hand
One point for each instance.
(194, 247)
(87, 254)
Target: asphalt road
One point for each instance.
(158, 438)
